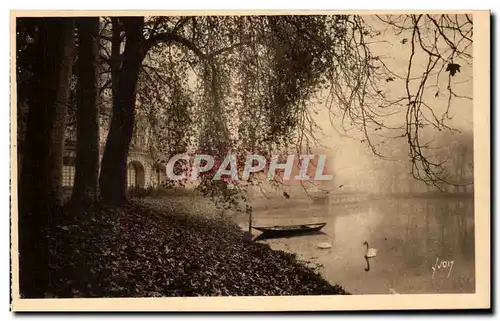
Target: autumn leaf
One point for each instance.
(453, 68)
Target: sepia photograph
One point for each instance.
(199, 161)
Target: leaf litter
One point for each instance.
(141, 250)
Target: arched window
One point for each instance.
(135, 174)
(68, 172)
(131, 177)
(157, 175)
(68, 176)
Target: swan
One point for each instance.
(370, 252)
(367, 264)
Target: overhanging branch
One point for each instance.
(168, 38)
(175, 38)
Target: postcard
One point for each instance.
(250, 160)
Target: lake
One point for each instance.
(425, 245)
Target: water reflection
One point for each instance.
(412, 236)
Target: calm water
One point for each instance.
(411, 236)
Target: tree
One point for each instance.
(256, 71)
(113, 177)
(57, 130)
(26, 30)
(40, 180)
(253, 80)
(85, 189)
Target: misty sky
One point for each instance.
(353, 159)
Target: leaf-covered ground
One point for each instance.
(141, 251)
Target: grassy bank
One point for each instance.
(141, 250)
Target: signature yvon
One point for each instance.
(442, 265)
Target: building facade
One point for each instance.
(142, 170)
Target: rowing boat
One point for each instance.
(290, 229)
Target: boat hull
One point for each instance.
(288, 230)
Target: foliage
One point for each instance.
(241, 84)
(253, 84)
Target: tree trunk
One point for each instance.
(113, 178)
(38, 179)
(85, 189)
(61, 111)
(114, 60)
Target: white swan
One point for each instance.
(370, 252)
